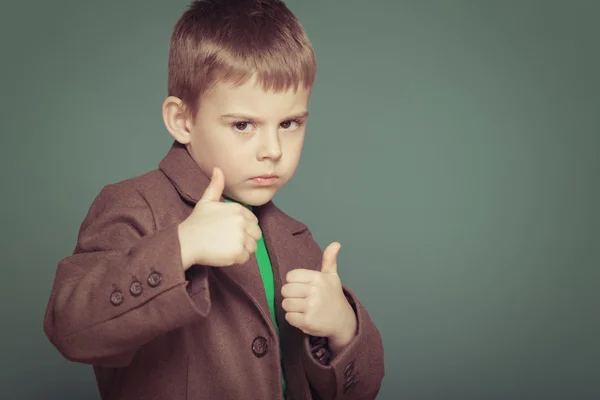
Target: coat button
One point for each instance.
(154, 279)
(349, 369)
(260, 347)
(136, 288)
(116, 298)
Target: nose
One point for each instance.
(269, 146)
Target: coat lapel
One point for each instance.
(283, 240)
(279, 232)
(191, 182)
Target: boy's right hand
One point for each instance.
(218, 234)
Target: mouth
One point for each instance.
(264, 180)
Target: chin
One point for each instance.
(255, 197)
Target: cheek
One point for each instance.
(293, 148)
(208, 141)
(233, 158)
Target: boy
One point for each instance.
(188, 282)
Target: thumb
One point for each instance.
(329, 264)
(215, 188)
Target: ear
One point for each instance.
(177, 119)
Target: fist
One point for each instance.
(314, 301)
(218, 234)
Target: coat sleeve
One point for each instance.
(123, 286)
(356, 373)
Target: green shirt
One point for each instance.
(266, 273)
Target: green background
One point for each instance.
(452, 149)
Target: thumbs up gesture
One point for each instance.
(315, 303)
(216, 233)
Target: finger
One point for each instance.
(329, 264)
(215, 188)
(253, 230)
(296, 290)
(243, 257)
(294, 305)
(247, 214)
(249, 244)
(302, 276)
(295, 319)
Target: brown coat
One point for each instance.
(123, 304)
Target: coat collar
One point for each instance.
(191, 182)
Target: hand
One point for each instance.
(218, 234)
(315, 303)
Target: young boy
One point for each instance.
(188, 282)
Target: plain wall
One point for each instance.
(452, 149)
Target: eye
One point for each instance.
(291, 125)
(242, 126)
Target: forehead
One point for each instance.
(250, 97)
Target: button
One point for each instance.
(260, 347)
(349, 387)
(154, 279)
(349, 369)
(136, 288)
(321, 353)
(116, 298)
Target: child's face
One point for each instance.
(249, 133)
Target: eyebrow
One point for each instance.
(251, 118)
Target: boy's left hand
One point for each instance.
(315, 303)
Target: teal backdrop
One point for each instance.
(452, 149)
